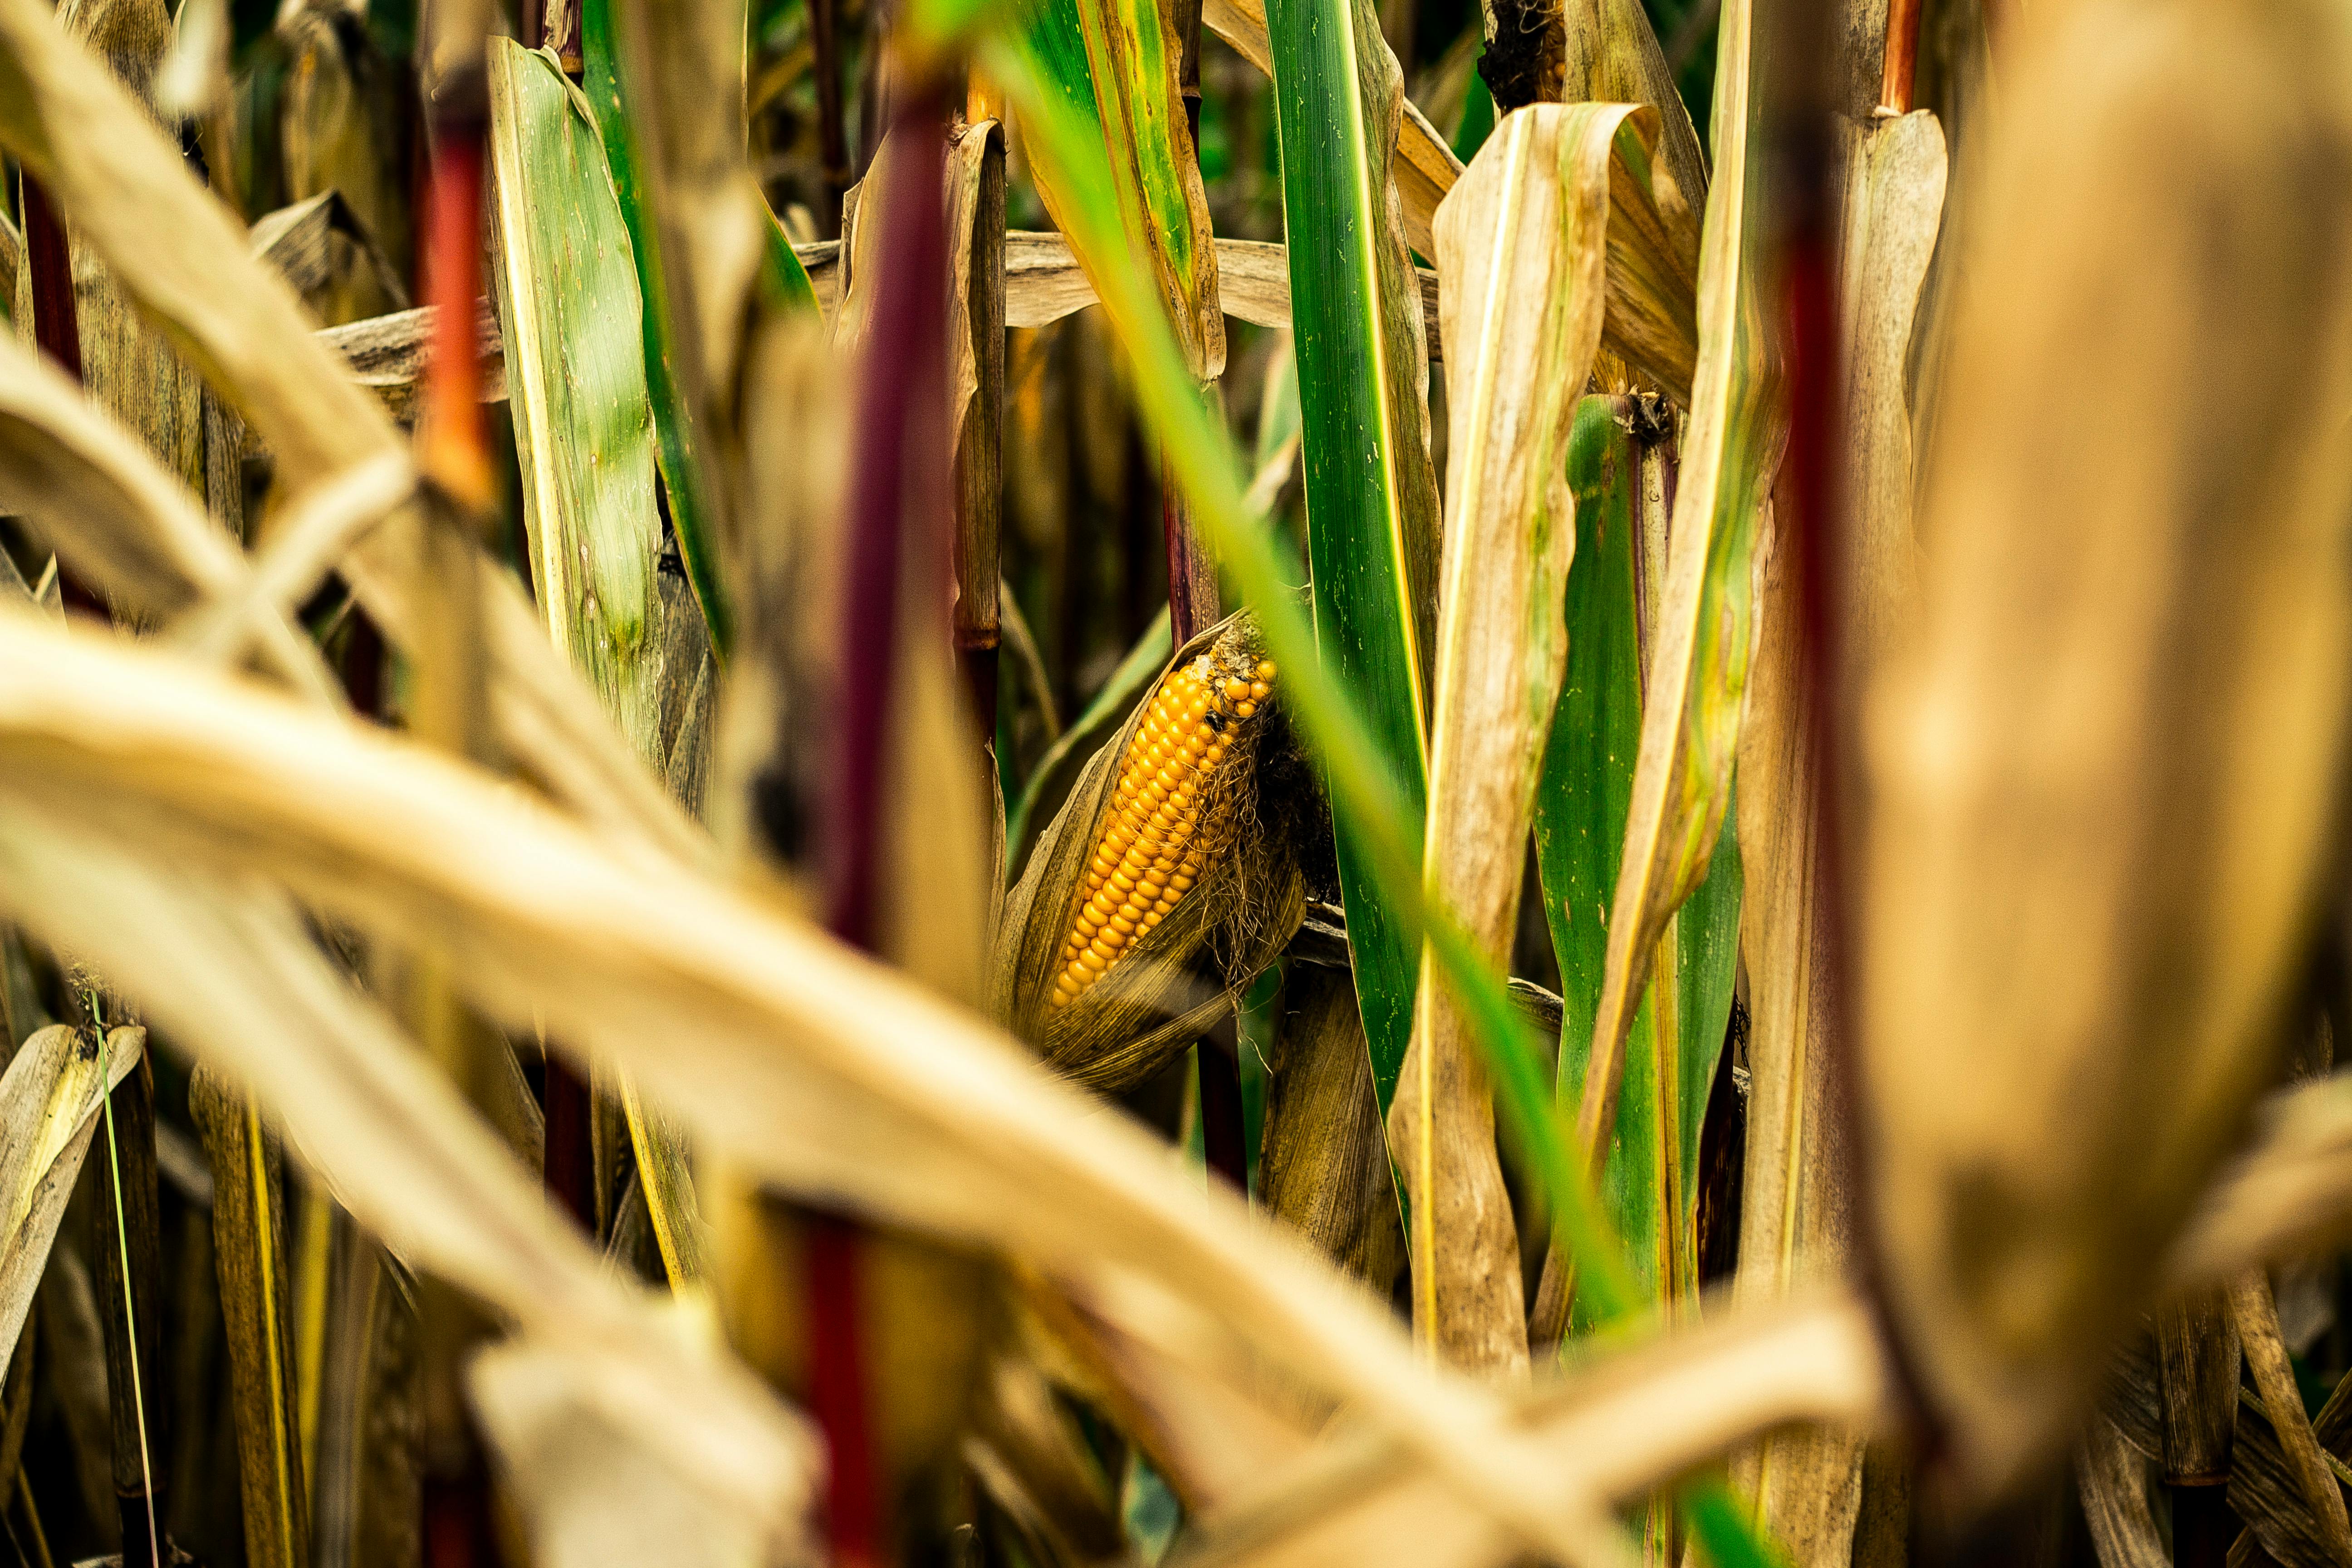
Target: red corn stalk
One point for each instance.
(1902, 57)
(57, 330)
(568, 1167)
(1224, 1145)
(452, 456)
(900, 490)
(56, 327)
(838, 1391)
(450, 448)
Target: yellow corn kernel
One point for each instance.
(1147, 853)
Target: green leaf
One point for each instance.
(685, 476)
(1706, 618)
(1649, 1184)
(1477, 119)
(783, 280)
(569, 311)
(569, 308)
(1371, 495)
(1113, 65)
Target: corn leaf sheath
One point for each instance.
(1372, 492)
(1705, 636)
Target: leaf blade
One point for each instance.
(1372, 513)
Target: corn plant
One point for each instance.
(1689, 919)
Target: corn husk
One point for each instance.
(1182, 975)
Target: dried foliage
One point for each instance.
(570, 995)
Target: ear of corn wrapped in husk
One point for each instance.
(1170, 877)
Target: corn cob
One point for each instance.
(1165, 818)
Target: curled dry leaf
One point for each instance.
(2117, 1485)
(1522, 248)
(48, 1108)
(115, 516)
(322, 248)
(243, 330)
(2288, 1194)
(387, 355)
(239, 980)
(739, 1019)
(1615, 1426)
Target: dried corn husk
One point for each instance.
(1323, 1165)
(1179, 976)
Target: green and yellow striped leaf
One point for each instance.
(569, 314)
(576, 372)
(1113, 65)
(673, 358)
(1373, 516)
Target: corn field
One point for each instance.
(1036, 784)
